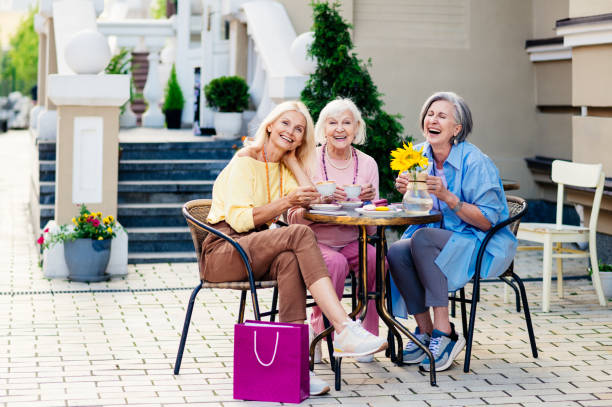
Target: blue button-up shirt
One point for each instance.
(474, 178)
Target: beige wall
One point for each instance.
(300, 13)
(591, 78)
(592, 141)
(545, 14)
(583, 8)
(553, 83)
(64, 208)
(554, 135)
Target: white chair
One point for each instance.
(552, 236)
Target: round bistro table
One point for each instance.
(362, 221)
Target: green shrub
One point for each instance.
(227, 94)
(120, 64)
(174, 99)
(340, 73)
(158, 9)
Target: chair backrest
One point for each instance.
(199, 209)
(578, 175)
(516, 205)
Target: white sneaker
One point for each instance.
(356, 341)
(318, 386)
(365, 359)
(318, 353)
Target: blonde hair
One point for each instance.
(305, 153)
(335, 107)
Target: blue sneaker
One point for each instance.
(412, 353)
(444, 349)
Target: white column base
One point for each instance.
(153, 118)
(128, 119)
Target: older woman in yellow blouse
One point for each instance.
(259, 184)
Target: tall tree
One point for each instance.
(20, 62)
(340, 73)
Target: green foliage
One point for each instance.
(340, 73)
(227, 94)
(19, 65)
(120, 64)
(174, 99)
(158, 9)
(89, 225)
(603, 267)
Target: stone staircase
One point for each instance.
(155, 180)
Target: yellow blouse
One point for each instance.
(242, 186)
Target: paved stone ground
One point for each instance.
(74, 344)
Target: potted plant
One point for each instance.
(87, 244)
(173, 102)
(228, 96)
(121, 64)
(605, 275)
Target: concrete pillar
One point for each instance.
(184, 70)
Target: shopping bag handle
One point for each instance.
(255, 347)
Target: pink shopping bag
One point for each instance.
(271, 362)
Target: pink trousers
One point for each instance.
(339, 263)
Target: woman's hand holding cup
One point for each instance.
(368, 192)
(303, 196)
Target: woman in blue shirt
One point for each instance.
(433, 259)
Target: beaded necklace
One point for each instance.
(355, 169)
(280, 170)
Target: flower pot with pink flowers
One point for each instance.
(86, 245)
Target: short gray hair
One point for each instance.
(463, 115)
(338, 106)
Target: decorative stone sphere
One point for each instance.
(87, 52)
(304, 63)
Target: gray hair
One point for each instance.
(338, 106)
(463, 115)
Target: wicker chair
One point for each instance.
(195, 213)
(517, 208)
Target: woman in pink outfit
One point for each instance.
(340, 125)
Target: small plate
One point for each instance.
(350, 204)
(325, 207)
(391, 213)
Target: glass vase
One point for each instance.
(417, 200)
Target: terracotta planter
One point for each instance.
(87, 259)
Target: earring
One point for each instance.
(455, 140)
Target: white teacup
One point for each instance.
(352, 191)
(326, 188)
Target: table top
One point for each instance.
(354, 218)
(510, 184)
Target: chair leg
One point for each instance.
(509, 283)
(464, 312)
(330, 344)
(595, 268)
(452, 304)
(242, 306)
(337, 374)
(546, 272)
(470, 336)
(274, 302)
(559, 271)
(532, 341)
(179, 354)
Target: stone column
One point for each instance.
(88, 129)
(153, 92)
(184, 71)
(46, 119)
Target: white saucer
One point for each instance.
(391, 213)
(350, 204)
(325, 207)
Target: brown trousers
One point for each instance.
(289, 255)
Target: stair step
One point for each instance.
(146, 191)
(134, 170)
(156, 239)
(139, 215)
(165, 257)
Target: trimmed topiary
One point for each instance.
(174, 99)
(227, 94)
(341, 73)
